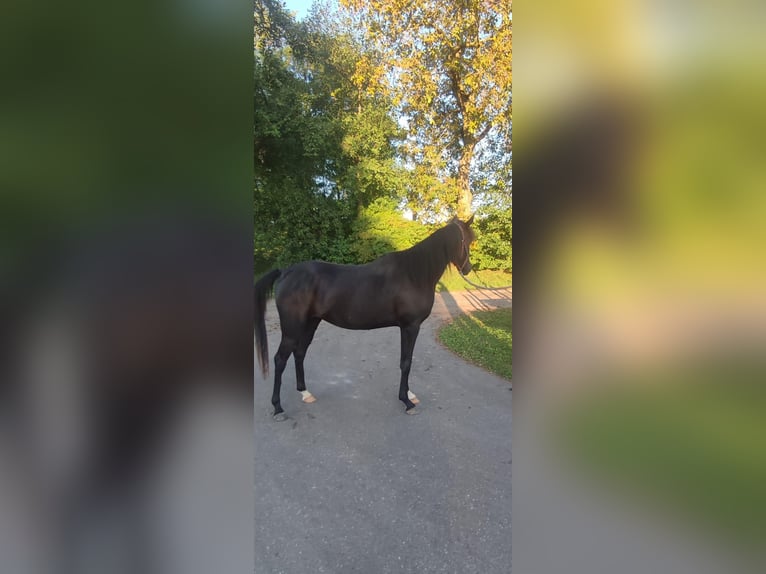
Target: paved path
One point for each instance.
(352, 484)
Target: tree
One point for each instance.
(448, 66)
(323, 142)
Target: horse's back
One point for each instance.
(350, 296)
(302, 285)
(308, 276)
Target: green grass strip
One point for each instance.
(483, 338)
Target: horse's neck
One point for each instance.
(429, 258)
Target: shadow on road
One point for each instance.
(450, 304)
(459, 302)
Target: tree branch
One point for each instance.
(483, 133)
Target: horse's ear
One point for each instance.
(470, 220)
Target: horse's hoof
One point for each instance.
(308, 397)
(415, 400)
(412, 411)
(279, 417)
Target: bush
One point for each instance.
(494, 233)
(292, 225)
(380, 229)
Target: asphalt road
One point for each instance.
(351, 483)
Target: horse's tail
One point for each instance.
(263, 288)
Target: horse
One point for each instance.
(395, 290)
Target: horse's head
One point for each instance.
(461, 257)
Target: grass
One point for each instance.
(696, 448)
(483, 338)
(452, 281)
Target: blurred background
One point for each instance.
(640, 316)
(125, 287)
(126, 266)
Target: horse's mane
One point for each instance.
(425, 262)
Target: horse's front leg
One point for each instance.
(409, 336)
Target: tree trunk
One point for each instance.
(463, 184)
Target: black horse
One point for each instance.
(396, 289)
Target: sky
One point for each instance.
(301, 7)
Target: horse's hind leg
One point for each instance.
(409, 336)
(286, 348)
(300, 353)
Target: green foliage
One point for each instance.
(323, 146)
(484, 338)
(367, 147)
(494, 232)
(294, 226)
(380, 228)
(329, 180)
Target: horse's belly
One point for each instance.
(359, 322)
(365, 303)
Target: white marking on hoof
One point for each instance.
(413, 398)
(308, 397)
